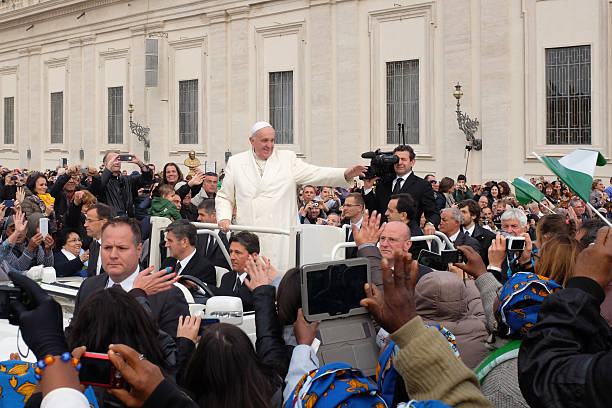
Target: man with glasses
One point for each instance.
(97, 216)
(352, 211)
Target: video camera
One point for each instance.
(381, 165)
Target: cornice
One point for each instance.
(49, 9)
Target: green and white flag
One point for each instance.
(576, 169)
(526, 192)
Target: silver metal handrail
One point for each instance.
(449, 244)
(264, 230)
(219, 242)
(427, 238)
(339, 246)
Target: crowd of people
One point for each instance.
(529, 325)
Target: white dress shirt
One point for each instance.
(99, 265)
(471, 230)
(127, 284)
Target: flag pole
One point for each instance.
(599, 214)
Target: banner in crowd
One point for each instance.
(526, 192)
(576, 169)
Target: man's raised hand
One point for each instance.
(396, 306)
(154, 282)
(370, 229)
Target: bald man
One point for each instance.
(261, 184)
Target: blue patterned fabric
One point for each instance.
(17, 384)
(520, 300)
(333, 385)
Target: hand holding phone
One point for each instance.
(126, 157)
(97, 369)
(9, 203)
(43, 225)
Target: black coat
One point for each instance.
(165, 307)
(214, 254)
(61, 199)
(119, 192)
(226, 288)
(565, 359)
(64, 267)
(462, 239)
(198, 266)
(484, 238)
(419, 189)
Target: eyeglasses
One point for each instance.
(433, 181)
(352, 205)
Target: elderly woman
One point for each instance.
(71, 260)
(597, 198)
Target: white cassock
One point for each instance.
(270, 200)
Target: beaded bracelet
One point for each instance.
(49, 360)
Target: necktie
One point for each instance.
(117, 286)
(398, 185)
(177, 268)
(237, 285)
(467, 233)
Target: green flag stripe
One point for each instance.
(521, 195)
(579, 182)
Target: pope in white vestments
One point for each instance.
(261, 184)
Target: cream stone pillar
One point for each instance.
(91, 136)
(32, 111)
(218, 113)
(239, 76)
(136, 92)
(321, 119)
(74, 108)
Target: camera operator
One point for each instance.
(405, 182)
(462, 191)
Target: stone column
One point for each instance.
(239, 76)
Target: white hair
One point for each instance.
(515, 214)
(455, 213)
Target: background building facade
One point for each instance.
(334, 77)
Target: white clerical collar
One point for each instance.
(186, 260)
(69, 255)
(128, 283)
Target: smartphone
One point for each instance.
(97, 370)
(433, 260)
(207, 321)
(125, 157)
(452, 256)
(9, 203)
(43, 225)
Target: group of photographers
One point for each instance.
(533, 299)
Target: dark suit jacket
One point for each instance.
(419, 189)
(214, 254)
(351, 252)
(417, 246)
(165, 307)
(227, 289)
(484, 238)
(94, 253)
(462, 239)
(198, 266)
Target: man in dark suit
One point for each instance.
(450, 225)
(403, 208)
(405, 182)
(207, 244)
(154, 290)
(352, 212)
(470, 213)
(184, 258)
(242, 245)
(97, 216)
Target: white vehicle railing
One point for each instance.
(435, 238)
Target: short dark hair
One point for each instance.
(590, 228)
(461, 177)
(183, 229)
(405, 148)
(208, 205)
(211, 173)
(358, 198)
(32, 178)
(105, 212)
(446, 184)
(309, 186)
(130, 222)
(405, 204)
(472, 206)
(248, 240)
(178, 170)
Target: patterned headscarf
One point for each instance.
(334, 385)
(520, 300)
